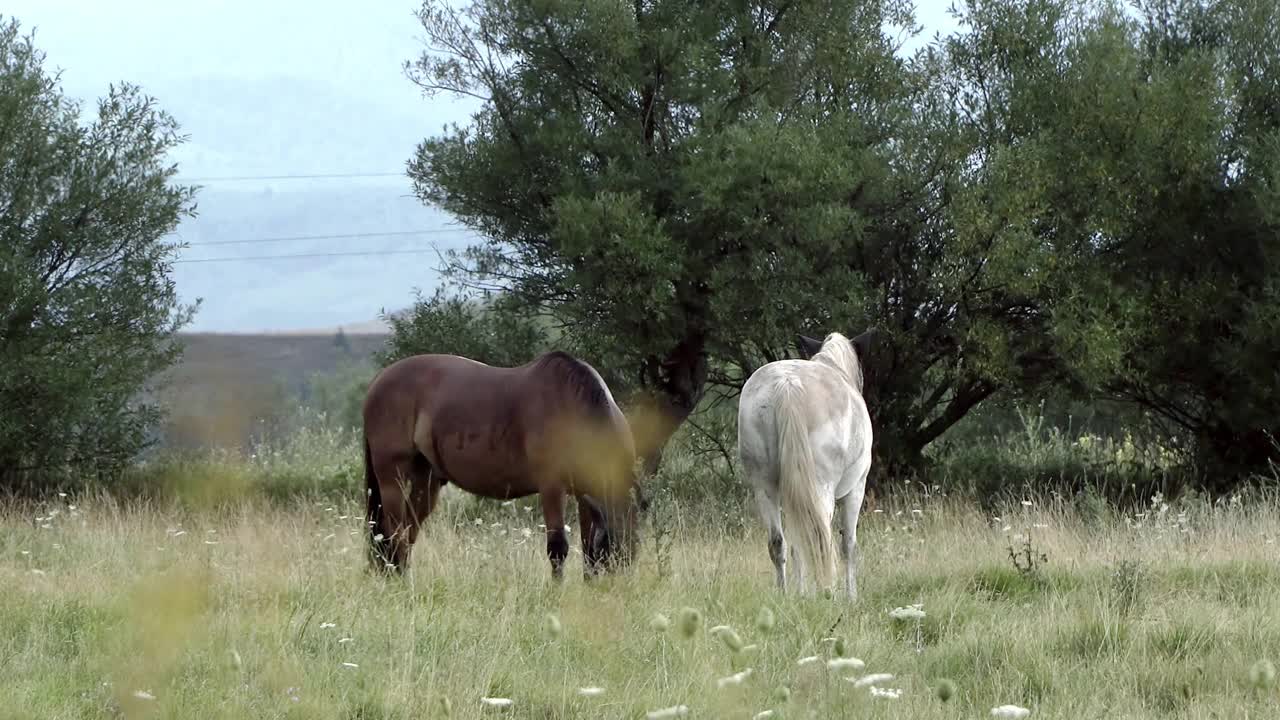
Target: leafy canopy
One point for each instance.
(88, 310)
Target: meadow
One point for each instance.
(242, 591)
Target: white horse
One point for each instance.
(804, 441)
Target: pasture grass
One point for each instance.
(245, 609)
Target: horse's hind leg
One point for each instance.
(771, 515)
(850, 506)
(850, 509)
(407, 489)
(587, 521)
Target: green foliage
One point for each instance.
(88, 310)
(1145, 150)
(311, 458)
(336, 398)
(492, 333)
(1060, 195)
(1008, 455)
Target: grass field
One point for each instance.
(266, 611)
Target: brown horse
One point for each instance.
(549, 427)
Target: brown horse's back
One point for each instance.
(495, 432)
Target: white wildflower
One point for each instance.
(497, 702)
(734, 679)
(887, 693)
(871, 679)
(911, 612)
(671, 712)
(1010, 711)
(849, 663)
(324, 625)
(591, 691)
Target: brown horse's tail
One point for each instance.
(379, 543)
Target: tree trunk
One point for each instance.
(672, 386)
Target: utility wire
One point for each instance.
(330, 237)
(308, 255)
(318, 176)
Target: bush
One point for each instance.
(88, 310)
(493, 332)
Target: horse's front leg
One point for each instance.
(553, 517)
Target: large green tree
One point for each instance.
(88, 311)
(687, 186)
(1016, 207)
(1150, 144)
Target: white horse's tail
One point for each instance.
(798, 477)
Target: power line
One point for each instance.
(308, 255)
(318, 176)
(330, 237)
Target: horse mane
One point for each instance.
(580, 376)
(838, 353)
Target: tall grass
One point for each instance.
(266, 610)
(227, 584)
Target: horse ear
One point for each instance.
(862, 343)
(808, 346)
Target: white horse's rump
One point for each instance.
(804, 440)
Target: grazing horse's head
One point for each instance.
(616, 533)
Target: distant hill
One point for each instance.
(226, 383)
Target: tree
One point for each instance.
(341, 342)
(643, 174)
(1150, 146)
(1196, 253)
(685, 187)
(454, 324)
(88, 310)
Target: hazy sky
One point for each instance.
(280, 87)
